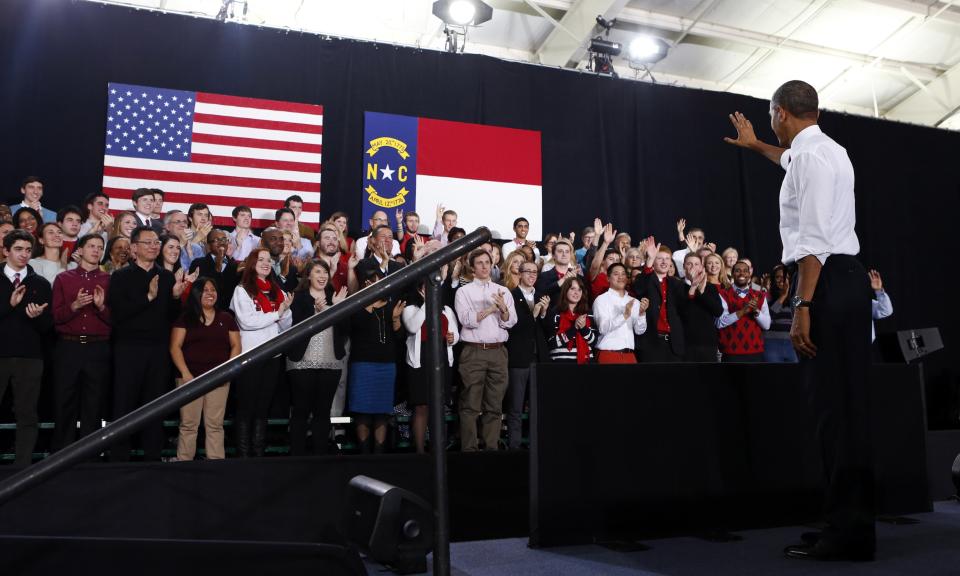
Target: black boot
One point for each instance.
(243, 438)
(259, 437)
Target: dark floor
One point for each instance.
(931, 547)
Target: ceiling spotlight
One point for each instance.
(647, 50)
(462, 12)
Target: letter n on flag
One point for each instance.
(489, 175)
(213, 149)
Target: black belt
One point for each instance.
(663, 336)
(83, 338)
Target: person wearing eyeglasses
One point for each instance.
(144, 301)
(218, 266)
(525, 346)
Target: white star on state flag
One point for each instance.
(387, 173)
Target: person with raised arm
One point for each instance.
(831, 322)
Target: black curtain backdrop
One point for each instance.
(638, 154)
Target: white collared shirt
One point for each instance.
(9, 272)
(817, 204)
(360, 247)
(616, 332)
(528, 293)
(242, 250)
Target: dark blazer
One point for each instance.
(527, 343)
(226, 280)
(22, 335)
(155, 223)
(648, 286)
(302, 308)
(548, 284)
(699, 317)
(371, 263)
(290, 282)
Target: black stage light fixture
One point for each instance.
(462, 12)
(609, 47)
(602, 49)
(392, 525)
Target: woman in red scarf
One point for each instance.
(263, 311)
(571, 329)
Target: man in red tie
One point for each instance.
(24, 318)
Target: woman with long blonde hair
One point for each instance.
(716, 270)
(510, 273)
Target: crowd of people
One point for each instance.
(120, 307)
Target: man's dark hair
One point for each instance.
(71, 209)
(241, 208)
(614, 265)
(454, 231)
(798, 98)
(194, 207)
(88, 200)
(29, 179)
(695, 229)
(135, 235)
(478, 253)
(281, 211)
(519, 220)
(611, 251)
(88, 237)
(373, 234)
(19, 234)
(158, 192)
(140, 193)
(294, 198)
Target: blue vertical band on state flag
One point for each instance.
(146, 122)
(389, 164)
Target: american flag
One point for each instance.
(219, 150)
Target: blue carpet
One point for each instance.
(930, 547)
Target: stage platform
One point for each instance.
(928, 547)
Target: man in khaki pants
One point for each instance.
(485, 310)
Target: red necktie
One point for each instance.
(16, 280)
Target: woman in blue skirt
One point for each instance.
(373, 365)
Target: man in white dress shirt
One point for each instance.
(619, 317)
(831, 323)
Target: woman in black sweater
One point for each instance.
(373, 365)
(314, 366)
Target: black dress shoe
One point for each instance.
(811, 538)
(824, 551)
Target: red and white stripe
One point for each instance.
(488, 174)
(245, 151)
